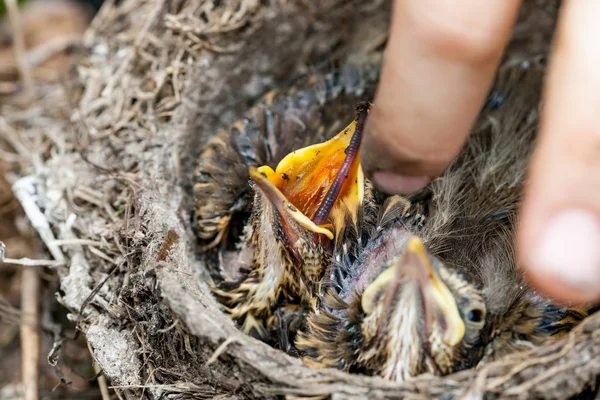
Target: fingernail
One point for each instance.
(569, 249)
(393, 183)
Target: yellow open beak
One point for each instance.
(282, 204)
(439, 303)
(319, 182)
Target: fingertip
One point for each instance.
(392, 159)
(563, 260)
(555, 289)
(438, 66)
(559, 233)
(392, 183)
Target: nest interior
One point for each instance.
(118, 140)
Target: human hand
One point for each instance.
(440, 62)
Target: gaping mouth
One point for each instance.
(317, 186)
(414, 266)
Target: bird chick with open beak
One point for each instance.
(312, 111)
(298, 210)
(251, 241)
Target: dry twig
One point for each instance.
(28, 262)
(25, 190)
(42, 53)
(30, 335)
(12, 9)
(101, 378)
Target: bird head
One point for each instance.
(311, 194)
(417, 316)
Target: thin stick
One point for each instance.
(78, 242)
(12, 9)
(30, 336)
(40, 54)
(222, 347)
(104, 393)
(28, 262)
(25, 191)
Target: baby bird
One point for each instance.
(300, 205)
(298, 208)
(398, 310)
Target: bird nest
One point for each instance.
(107, 160)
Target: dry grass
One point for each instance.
(107, 156)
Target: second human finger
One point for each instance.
(440, 61)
